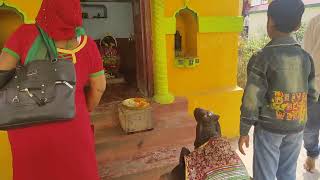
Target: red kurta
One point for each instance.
(57, 151)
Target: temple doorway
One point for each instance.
(122, 31)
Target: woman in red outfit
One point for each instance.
(55, 151)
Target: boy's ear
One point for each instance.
(298, 27)
(271, 22)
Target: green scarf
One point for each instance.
(39, 50)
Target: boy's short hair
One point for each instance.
(286, 14)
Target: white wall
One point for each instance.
(258, 21)
(257, 24)
(258, 2)
(119, 22)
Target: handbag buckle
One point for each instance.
(44, 100)
(15, 100)
(54, 60)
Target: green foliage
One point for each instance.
(247, 48)
(300, 33)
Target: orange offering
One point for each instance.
(136, 103)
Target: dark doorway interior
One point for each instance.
(129, 24)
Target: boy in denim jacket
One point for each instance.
(281, 80)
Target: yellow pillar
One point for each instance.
(162, 94)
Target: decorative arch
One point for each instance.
(187, 28)
(29, 9)
(5, 6)
(186, 7)
(11, 19)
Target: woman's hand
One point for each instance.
(243, 140)
(7, 62)
(97, 86)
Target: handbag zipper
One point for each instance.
(65, 83)
(27, 91)
(40, 102)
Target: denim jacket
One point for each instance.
(281, 80)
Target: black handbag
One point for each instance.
(41, 91)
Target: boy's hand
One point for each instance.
(243, 140)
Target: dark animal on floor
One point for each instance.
(207, 127)
(207, 130)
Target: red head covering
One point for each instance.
(60, 18)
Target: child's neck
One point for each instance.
(278, 35)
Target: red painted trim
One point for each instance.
(144, 52)
(147, 44)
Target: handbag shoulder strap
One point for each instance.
(52, 54)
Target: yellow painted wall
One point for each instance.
(11, 21)
(29, 8)
(212, 84)
(173, 6)
(6, 170)
(205, 7)
(218, 65)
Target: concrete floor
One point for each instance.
(301, 173)
(155, 173)
(108, 133)
(145, 155)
